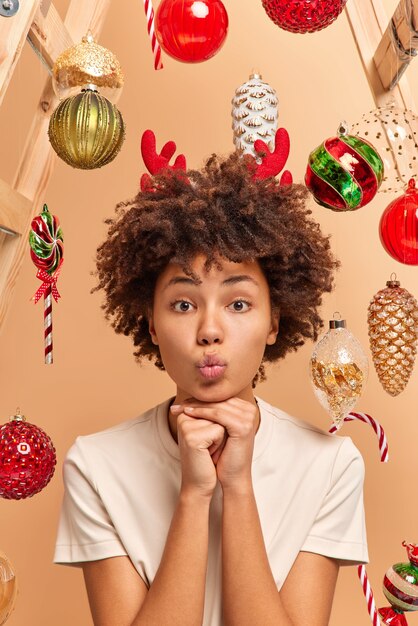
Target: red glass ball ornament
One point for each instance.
(191, 30)
(27, 459)
(399, 227)
(303, 16)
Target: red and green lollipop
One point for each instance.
(46, 251)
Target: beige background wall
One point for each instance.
(94, 382)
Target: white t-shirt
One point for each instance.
(122, 485)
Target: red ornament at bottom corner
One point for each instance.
(27, 459)
(392, 618)
(398, 227)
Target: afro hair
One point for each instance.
(219, 211)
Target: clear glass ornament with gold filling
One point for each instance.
(87, 65)
(8, 588)
(338, 370)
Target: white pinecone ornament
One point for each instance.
(393, 332)
(254, 114)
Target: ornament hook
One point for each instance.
(337, 321)
(18, 417)
(343, 128)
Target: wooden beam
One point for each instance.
(36, 165)
(48, 35)
(399, 44)
(368, 22)
(15, 210)
(13, 32)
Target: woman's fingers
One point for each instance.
(218, 452)
(239, 419)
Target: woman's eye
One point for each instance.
(241, 305)
(181, 306)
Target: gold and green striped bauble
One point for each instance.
(344, 172)
(400, 586)
(86, 131)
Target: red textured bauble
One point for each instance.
(27, 459)
(399, 227)
(191, 30)
(303, 16)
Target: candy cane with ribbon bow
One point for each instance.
(46, 243)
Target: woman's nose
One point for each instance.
(209, 331)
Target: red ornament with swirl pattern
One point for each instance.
(400, 586)
(399, 227)
(47, 249)
(27, 459)
(344, 172)
(303, 16)
(191, 30)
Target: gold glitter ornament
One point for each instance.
(338, 371)
(86, 131)
(393, 332)
(87, 65)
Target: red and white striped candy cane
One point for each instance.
(363, 417)
(368, 593)
(48, 290)
(48, 325)
(156, 50)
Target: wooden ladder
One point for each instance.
(39, 23)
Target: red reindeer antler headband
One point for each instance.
(271, 164)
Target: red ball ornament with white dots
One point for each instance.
(27, 459)
(303, 16)
(191, 30)
(399, 227)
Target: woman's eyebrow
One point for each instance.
(232, 280)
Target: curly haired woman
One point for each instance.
(213, 508)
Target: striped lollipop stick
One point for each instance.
(48, 326)
(368, 594)
(380, 433)
(47, 248)
(156, 50)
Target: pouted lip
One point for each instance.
(211, 359)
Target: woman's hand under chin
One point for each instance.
(233, 458)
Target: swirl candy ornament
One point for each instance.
(400, 586)
(86, 131)
(46, 241)
(344, 172)
(47, 249)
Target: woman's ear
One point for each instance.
(274, 327)
(151, 329)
